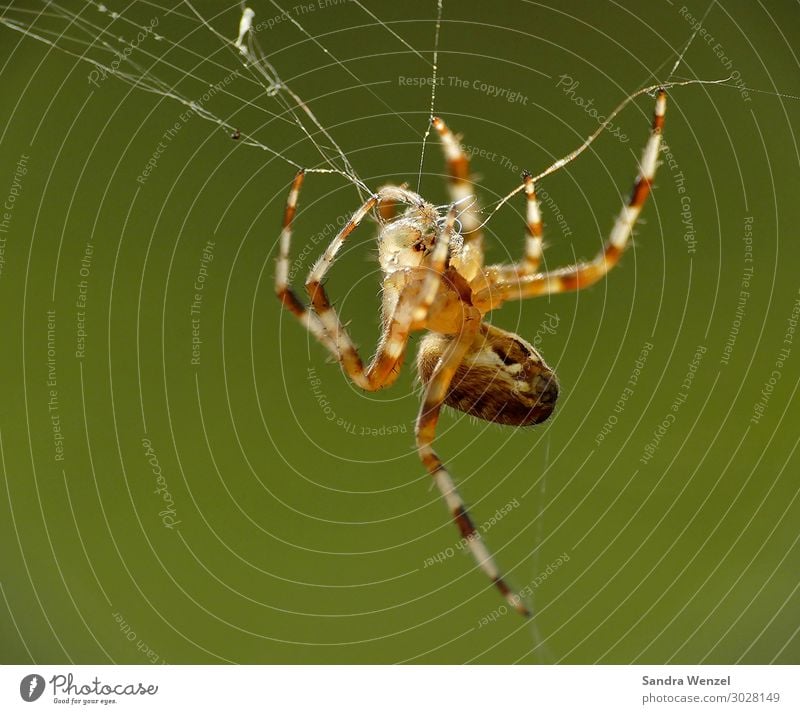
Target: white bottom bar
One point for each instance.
(400, 690)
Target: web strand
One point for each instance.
(588, 142)
(88, 41)
(433, 90)
(267, 77)
(689, 42)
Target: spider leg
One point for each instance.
(284, 292)
(435, 392)
(533, 239)
(323, 321)
(389, 208)
(460, 188)
(500, 288)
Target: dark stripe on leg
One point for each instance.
(464, 522)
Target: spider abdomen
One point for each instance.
(502, 379)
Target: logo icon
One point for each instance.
(31, 687)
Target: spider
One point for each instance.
(434, 279)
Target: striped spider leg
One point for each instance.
(434, 280)
(502, 285)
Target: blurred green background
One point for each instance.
(292, 521)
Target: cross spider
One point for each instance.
(434, 279)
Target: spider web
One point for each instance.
(99, 35)
(111, 42)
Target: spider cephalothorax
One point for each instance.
(434, 279)
(406, 240)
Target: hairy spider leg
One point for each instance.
(533, 239)
(494, 292)
(534, 247)
(460, 188)
(284, 292)
(435, 393)
(389, 208)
